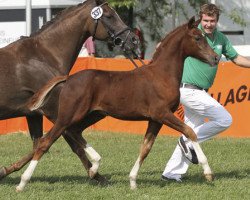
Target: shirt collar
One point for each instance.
(201, 28)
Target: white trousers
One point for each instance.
(206, 117)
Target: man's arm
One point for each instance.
(242, 61)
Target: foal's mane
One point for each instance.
(166, 39)
(58, 17)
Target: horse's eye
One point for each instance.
(109, 16)
(197, 38)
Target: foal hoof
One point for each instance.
(2, 173)
(133, 185)
(18, 189)
(209, 177)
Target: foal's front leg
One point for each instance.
(152, 131)
(173, 122)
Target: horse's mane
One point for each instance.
(58, 17)
(166, 39)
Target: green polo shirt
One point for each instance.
(202, 74)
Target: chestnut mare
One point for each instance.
(29, 63)
(148, 93)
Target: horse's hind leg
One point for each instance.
(80, 147)
(5, 171)
(35, 124)
(149, 139)
(42, 147)
(36, 131)
(173, 122)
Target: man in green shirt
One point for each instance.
(197, 78)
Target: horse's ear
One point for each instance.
(99, 2)
(191, 23)
(197, 22)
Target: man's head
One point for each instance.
(209, 16)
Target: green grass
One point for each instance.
(60, 175)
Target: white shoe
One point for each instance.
(171, 178)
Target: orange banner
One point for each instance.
(231, 89)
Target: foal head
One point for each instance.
(195, 45)
(106, 23)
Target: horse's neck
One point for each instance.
(65, 37)
(171, 57)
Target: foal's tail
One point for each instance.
(37, 100)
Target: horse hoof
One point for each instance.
(133, 187)
(2, 173)
(92, 174)
(209, 177)
(133, 184)
(19, 189)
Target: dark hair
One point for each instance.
(210, 10)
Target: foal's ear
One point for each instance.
(191, 23)
(99, 2)
(197, 22)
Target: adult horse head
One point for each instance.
(110, 21)
(148, 93)
(27, 64)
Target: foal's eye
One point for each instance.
(197, 38)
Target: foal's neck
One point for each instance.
(170, 55)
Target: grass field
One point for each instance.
(60, 175)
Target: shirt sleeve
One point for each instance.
(228, 50)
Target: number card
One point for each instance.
(96, 12)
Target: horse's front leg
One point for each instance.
(152, 131)
(173, 122)
(203, 161)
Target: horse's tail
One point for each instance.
(37, 100)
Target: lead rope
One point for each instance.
(132, 60)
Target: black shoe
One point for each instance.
(188, 152)
(164, 178)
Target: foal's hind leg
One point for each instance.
(173, 122)
(80, 147)
(149, 139)
(36, 131)
(42, 147)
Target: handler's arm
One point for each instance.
(242, 61)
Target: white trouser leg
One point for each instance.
(177, 165)
(198, 106)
